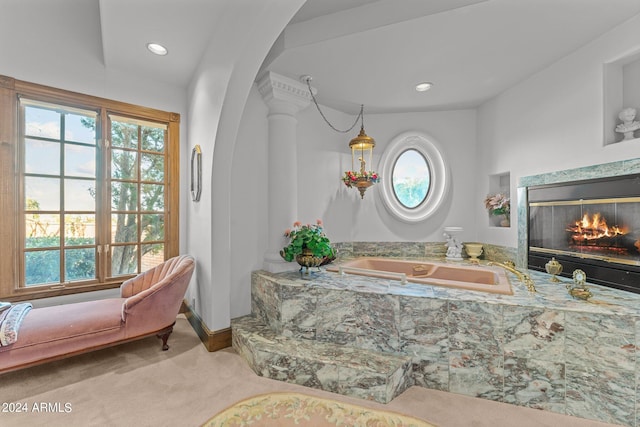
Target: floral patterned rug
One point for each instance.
(295, 409)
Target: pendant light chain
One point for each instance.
(360, 115)
(361, 144)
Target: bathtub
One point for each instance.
(461, 276)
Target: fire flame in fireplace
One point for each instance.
(593, 228)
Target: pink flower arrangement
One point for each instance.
(498, 204)
(350, 178)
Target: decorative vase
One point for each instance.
(554, 268)
(505, 222)
(474, 250)
(307, 259)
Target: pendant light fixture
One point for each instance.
(361, 150)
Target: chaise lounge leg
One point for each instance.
(164, 336)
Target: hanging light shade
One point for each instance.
(361, 150)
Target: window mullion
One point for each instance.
(104, 205)
(62, 201)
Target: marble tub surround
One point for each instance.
(544, 350)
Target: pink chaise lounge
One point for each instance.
(148, 305)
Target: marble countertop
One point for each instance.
(549, 295)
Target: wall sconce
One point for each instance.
(196, 173)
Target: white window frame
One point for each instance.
(439, 176)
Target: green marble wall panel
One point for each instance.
(424, 335)
(538, 384)
(476, 326)
(601, 341)
(298, 308)
(265, 300)
(534, 332)
(347, 250)
(476, 373)
(603, 394)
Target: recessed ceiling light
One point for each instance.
(158, 49)
(421, 87)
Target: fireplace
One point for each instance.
(592, 225)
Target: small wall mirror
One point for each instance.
(196, 173)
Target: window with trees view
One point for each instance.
(137, 195)
(96, 181)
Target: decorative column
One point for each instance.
(285, 97)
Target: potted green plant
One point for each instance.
(309, 246)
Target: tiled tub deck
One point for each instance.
(543, 350)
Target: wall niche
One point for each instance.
(621, 90)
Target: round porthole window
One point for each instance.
(411, 178)
(414, 177)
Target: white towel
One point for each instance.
(10, 321)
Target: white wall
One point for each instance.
(76, 63)
(249, 185)
(78, 67)
(217, 96)
(550, 122)
(324, 156)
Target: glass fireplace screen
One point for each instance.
(604, 229)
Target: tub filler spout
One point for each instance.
(524, 278)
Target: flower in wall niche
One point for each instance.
(310, 237)
(498, 204)
(350, 178)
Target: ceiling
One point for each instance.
(370, 52)
(471, 50)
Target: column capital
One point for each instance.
(282, 94)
